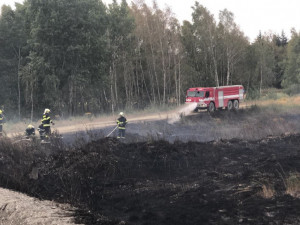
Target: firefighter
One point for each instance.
(41, 131)
(1, 122)
(121, 122)
(30, 131)
(46, 121)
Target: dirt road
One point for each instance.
(170, 117)
(84, 125)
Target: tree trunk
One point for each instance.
(216, 71)
(179, 81)
(261, 79)
(155, 74)
(228, 68)
(115, 82)
(126, 80)
(153, 64)
(19, 86)
(71, 86)
(144, 81)
(31, 98)
(175, 79)
(111, 90)
(164, 70)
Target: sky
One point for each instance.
(251, 16)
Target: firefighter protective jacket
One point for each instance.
(121, 122)
(1, 119)
(46, 120)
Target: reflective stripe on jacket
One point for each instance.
(121, 122)
(46, 120)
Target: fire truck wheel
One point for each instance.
(236, 104)
(229, 105)
(211, 107)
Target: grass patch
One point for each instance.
(293, 185)
(267, 191)
(294, 89)
(284, 104)
(273, 94)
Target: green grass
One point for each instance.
(274, 94)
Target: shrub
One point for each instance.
(274, 94)
(253, 94)
(294, 89)
(293, 185)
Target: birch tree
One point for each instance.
(207, 37)
(233, 41)
(13, 37)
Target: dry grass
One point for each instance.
(284, 101)
(293, 185)
(267, 191)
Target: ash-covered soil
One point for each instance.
(247, 178)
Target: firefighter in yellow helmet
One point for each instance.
(46, 121)
(1, 122)
(121, 122)
(30, 131)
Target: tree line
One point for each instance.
(78, 56)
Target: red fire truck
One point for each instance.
(212, 98)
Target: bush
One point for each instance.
(274, 94)
(293, 185)
(252, 94)
(294, 89)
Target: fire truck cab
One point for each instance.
(213, 98)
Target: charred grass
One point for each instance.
(157, 182)
(253, 123)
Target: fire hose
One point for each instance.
(112, 131)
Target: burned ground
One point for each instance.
(146, 180)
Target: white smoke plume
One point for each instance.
(184, 110)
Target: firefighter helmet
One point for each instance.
(47, 111)
(30, 126)
(121, 114)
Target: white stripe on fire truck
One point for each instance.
(231, 96)
(207, 99)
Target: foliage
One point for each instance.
(292, 75)
(252, 93)
(67, 42)
(82, 56)
(293, 89)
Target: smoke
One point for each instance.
(184, 110)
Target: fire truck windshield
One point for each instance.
(196, 94)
